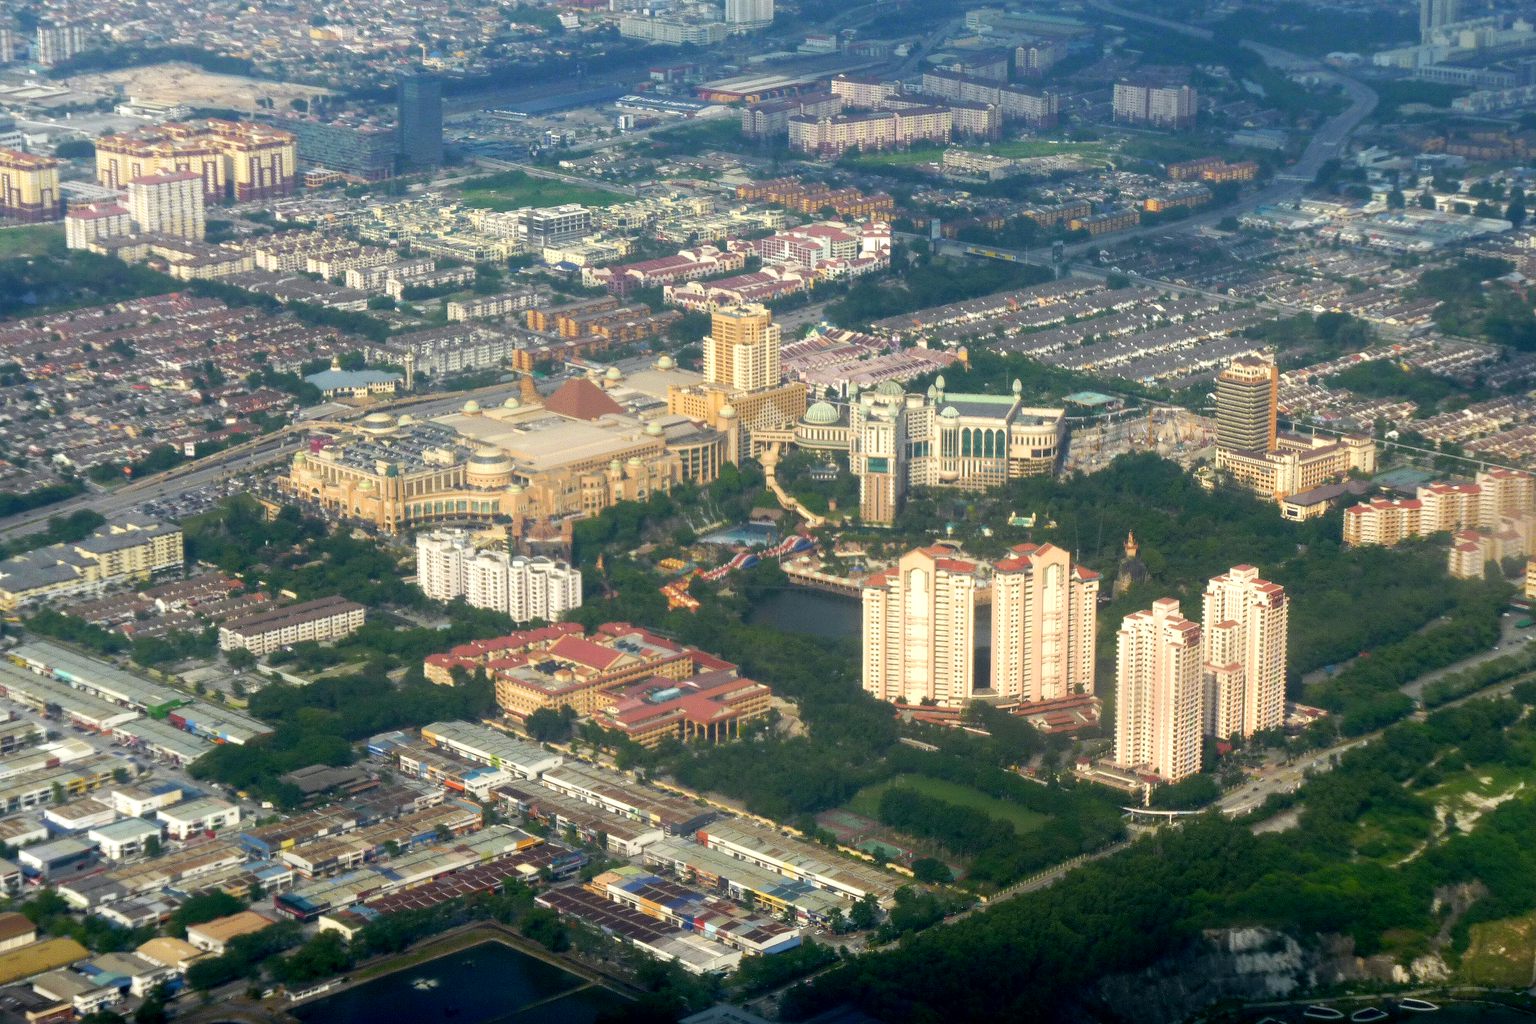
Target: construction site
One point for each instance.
(1174, 433)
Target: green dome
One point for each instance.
(822, 414)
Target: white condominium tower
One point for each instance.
(168, 204)
(920, 629)
(449, 566)
(1044, 613)
(1158, 695)
(1245, 653)
(749, 13)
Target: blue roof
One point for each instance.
(327, 380)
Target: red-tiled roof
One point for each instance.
(580, 399)
(585, 652)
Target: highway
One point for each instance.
(179, 480)
(1286, 778)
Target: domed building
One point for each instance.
(487, 469)
(823, 428)
(897, 441)
(378, 423)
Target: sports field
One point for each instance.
(867, 800)
(514, 190)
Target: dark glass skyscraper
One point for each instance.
(421, 123)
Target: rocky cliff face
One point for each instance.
(1247, 964)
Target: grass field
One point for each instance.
(1021, 148)
(32, 240)
(515, 190)
(1013, 148)
(900, 157)
(867, 800)
(1501, 953)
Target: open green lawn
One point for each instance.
(1500, 953)
(32, 240)
(900, 157)
(514, 190)
(1020, 148)
(1013, 148)
(867, 800)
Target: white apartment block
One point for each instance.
(55, 44)
(1158, 701)
(449, 566)
(747, 14)
(329, 618)
(1245, 653)
(1044, 614)
(169, 204)
(87, 224)
(1171, 106)
(919, 623)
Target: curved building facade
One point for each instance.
(515, 463)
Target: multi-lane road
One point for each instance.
(172, 483)
(1286, 778)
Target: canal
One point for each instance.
(490, 983)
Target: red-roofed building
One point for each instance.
(580, 399)
(711, 707)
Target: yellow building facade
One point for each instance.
(29, 187)
(235, 159)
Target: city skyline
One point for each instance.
(806, 508)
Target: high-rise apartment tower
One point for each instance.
(1245, 653)
(1158, 693)
(1044, 611)
(742, 350)
(920, 629)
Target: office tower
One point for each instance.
(168, 204)
(7, 45)
(888, 448)
(744, 14)
(1044, 611)
(56, 44)
(1158, 693)
(29, 187)
(920, 629)
(1247, 399)
(421, 123)
(742, 349)
(1245, 653)
(1435, 14)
